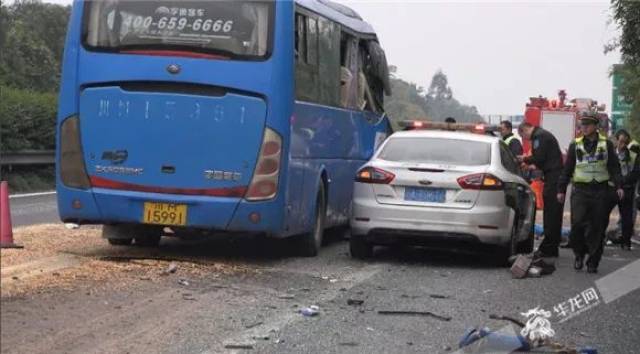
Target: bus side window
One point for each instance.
(312, 41)
(301, 38)
(329, 62)
(306, 47)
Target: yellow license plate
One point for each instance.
(165, 214)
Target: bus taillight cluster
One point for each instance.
(264, 184)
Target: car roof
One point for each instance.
(443, 134)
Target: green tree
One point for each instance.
(31, 44)
(626, 14)
(439, 102)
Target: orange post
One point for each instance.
(6, 231)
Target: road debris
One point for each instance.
(488, 291)
(254, 324)
(171, 268)
(183, 282)
(485, 340)
(188, 296)
(355, 302)
(415, 313)
(286, 296)
(506, 318)
(71, 226)
(438, 296)
(238, 346)
(310, 311)
(348, 344)
(534, 272)
(521, 266)
(262, 337)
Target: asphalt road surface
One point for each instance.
(33, 210)
(260, 309)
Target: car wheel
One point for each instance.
(359, 247)
(509, 249)
(117, 235)
(312, 241)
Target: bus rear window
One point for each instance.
(233, 29)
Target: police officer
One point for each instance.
(546, 156)
(506, 131)
(592, 166)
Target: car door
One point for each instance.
(518, 193)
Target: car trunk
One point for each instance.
(427, 185)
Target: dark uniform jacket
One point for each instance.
(515, 146)
(546, 154)
(590, 145)
(629, 181)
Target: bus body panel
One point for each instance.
(330, 141)
(172, 140)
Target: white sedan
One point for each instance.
(435, 188)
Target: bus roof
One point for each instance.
(339, 13)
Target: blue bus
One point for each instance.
(229, 116)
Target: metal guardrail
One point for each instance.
(28, 157)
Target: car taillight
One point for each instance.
(73, 172)
(264, 184)
(374, 175)
(481, 181)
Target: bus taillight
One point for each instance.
(265, 178)
(72, 168)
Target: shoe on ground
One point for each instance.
(578, 263)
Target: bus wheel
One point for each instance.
(312, 241)
(117, 235)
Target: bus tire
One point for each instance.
(117, 235)
(312, 241)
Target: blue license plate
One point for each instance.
(428, 195)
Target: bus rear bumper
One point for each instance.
(107, 206)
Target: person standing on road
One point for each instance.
(547, 157)
(623, 136)
(630, 170)
(506, 131)
(592, 166)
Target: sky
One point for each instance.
(497, 54)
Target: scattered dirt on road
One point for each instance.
(101, 265)
(48, 240)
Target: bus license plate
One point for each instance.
(165, 214)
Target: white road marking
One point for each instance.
(27, 195)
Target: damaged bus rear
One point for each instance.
(178, 114)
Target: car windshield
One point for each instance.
(437, 150)
(234, 29)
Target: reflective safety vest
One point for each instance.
(627, 161)
(591, 167)
(509, 140)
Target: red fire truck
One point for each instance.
(561, 119)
